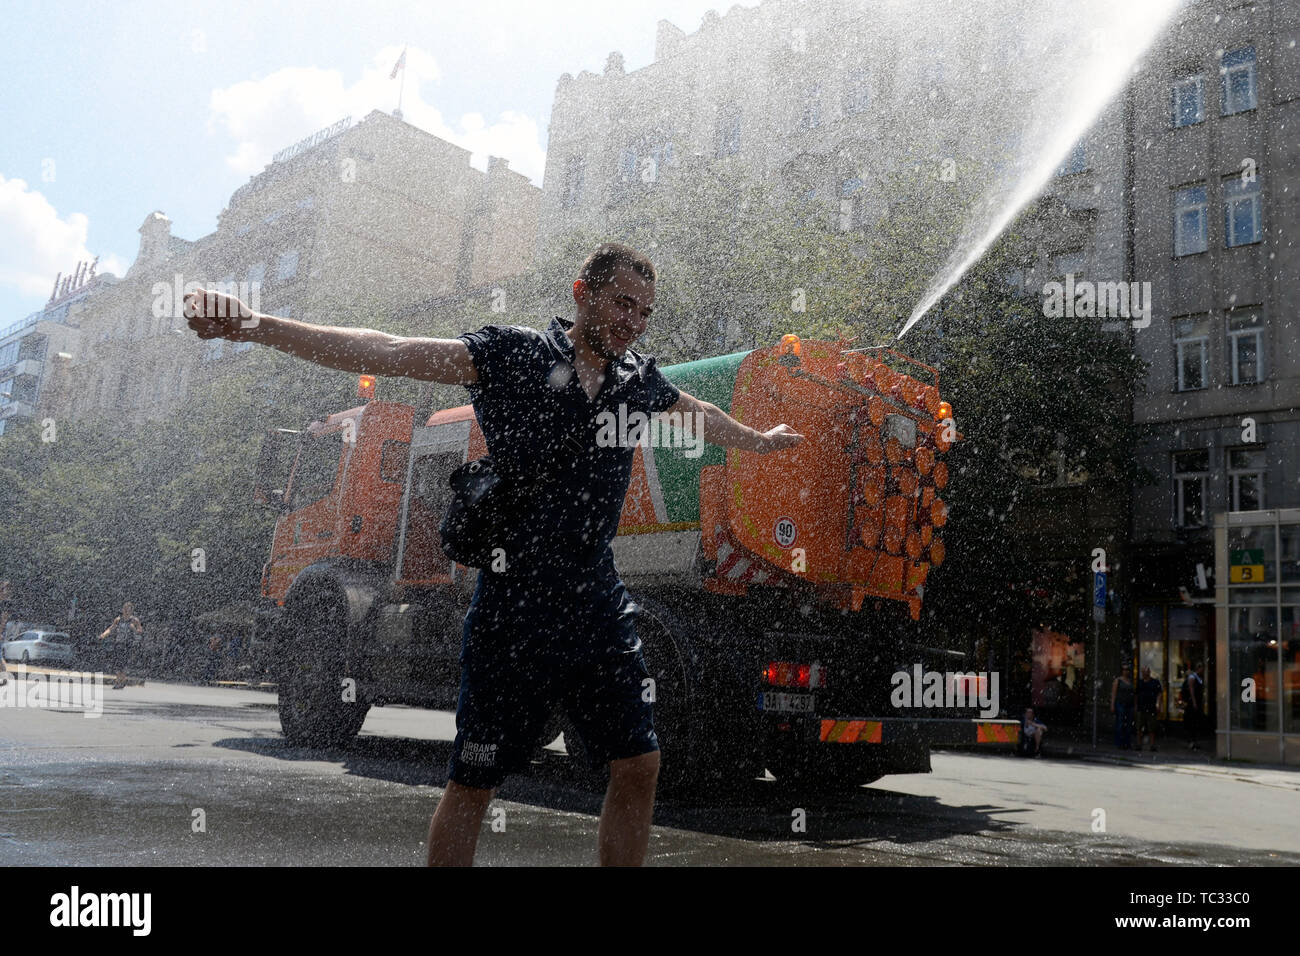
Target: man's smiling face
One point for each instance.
(615, 315)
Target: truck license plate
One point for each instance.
(789, 703)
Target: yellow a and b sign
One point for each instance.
(1246, 566)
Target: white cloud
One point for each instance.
(261, 117)
(36, 243)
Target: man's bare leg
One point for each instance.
(624, 831)
(454, 829)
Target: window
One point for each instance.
(1076, 161)
(811, 117)
(807, 209)
(8, 354)
(318, 466)
(662, 155)
(850, 203)
(1069, 263)
(1190, 233)
(728, 132)
(1246, 478)
(214, 349)
(7, 390)
(575, 169)
(1241, 211)
(1189, 100)
(1192, 352)
(1190, 471)
(286, 267)
(306, 202)
(1246, 348)
(1237, 80)
(857, 92)
(256, 273)
(627, 165)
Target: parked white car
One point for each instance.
(39, 646)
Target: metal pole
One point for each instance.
(1096, 677)
(402, 87)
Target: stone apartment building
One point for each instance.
(343, 228)
(826, 101)
(1216, 194)
(36, 352)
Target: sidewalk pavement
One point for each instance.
(1173, 754)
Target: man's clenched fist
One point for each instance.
(216, 315)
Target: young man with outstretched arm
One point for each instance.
(557, 627)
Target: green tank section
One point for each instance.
(710, 380)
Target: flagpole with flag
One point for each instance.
(399, 65)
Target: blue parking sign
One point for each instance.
(1099, 596)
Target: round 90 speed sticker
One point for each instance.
(784, 531)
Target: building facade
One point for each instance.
(828, 102)
(1216, 191)
(36, 352)
(341, 229)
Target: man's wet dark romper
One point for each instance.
(557, 626)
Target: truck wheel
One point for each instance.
(702, 751)
(672, 726)
(312, 704)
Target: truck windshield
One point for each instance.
(318, 466)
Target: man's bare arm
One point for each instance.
(721, 429)
(365, 351)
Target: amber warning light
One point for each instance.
(366, 386)
(790, 349)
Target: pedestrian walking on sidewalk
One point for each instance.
(1193, 699)
(120, 637)
(1148, 707)
(1121, 706)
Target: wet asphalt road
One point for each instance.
(130, 788)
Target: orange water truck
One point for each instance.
(779, 593)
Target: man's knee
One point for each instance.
(642, 770)
(468, 797)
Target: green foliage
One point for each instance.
(111, 512)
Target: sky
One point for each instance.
(111, 111)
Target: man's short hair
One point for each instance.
(600, 266)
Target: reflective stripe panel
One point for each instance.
(852, 731)
(997, 733)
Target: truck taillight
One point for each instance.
(789, 674)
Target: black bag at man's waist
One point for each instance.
(475, 521)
